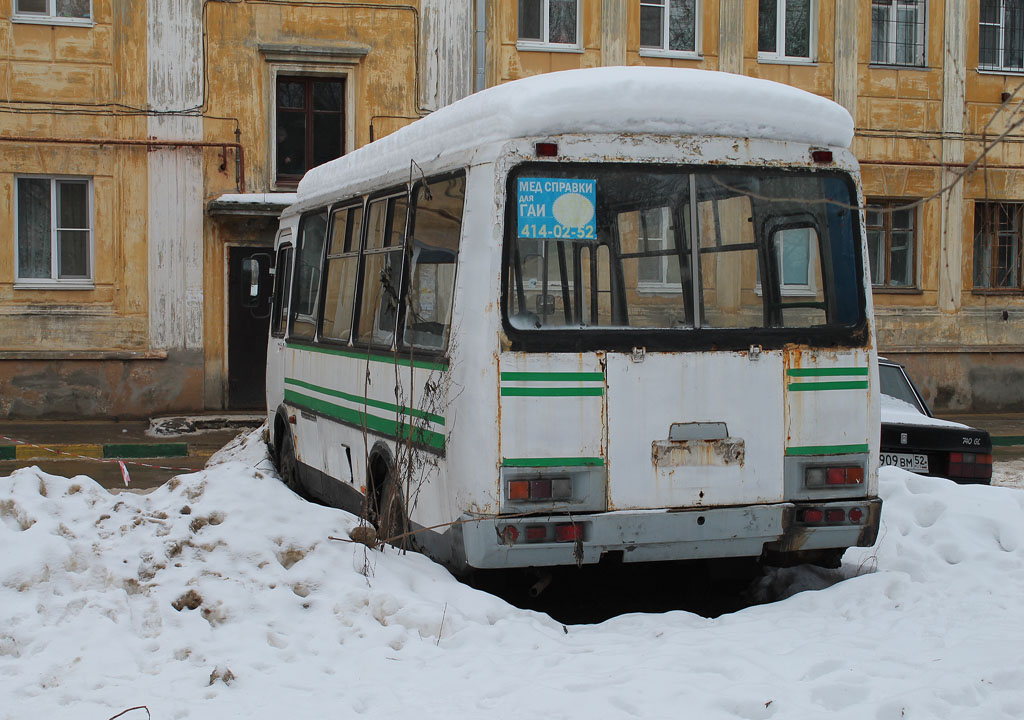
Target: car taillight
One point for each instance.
(974, 466)
(833, 476)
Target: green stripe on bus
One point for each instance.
(372, 422)
(380, 404)
(8, 452)
(827, 449)
(554, 376)
(814, 386)
(825, 372)
(373, 357)
(552, 391)
(553, 462)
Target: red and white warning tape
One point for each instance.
(122, 463)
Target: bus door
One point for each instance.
(279, 321)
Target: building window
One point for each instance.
(70, 12)
(310, 124)
(1001, 35)
(669, 25)
(549, 22)
(997, 246)
(54, 231)
(891, 243)
(658, 264)
(797, 258)
(897, 32)
(785, 29)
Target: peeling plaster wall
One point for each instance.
(175, 176)
(447, 49)
(101, 388)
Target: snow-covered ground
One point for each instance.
(220, 595)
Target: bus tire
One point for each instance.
(388, 508)
(288, 465)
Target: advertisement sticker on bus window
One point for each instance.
(557, 208)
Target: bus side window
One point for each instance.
(282, 284)
(437, 225)
(382, 270)
(307, 276)
(341, 263)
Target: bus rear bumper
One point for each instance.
(663, 535)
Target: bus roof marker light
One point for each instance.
(821, 156)
(546, 149)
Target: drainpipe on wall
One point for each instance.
(481, 46)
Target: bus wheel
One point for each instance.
(389, 512)
(287, 465)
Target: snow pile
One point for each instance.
(900, 412)
(221, 595)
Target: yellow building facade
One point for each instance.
(934, 87)
(148, 147)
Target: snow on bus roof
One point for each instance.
(660, 101)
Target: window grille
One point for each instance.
(1001, 35)
(997, 245)
(898, 32)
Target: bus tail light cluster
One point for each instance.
(830, 516)
(970, 465)
(547, 532)
(816, 477)
(559, 488)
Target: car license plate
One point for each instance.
(906, 461)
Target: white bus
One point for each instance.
(611, 314)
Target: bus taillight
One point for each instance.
(816, 477)
(568, 533)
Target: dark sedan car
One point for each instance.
(915, 440)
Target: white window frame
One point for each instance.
(1001, 25)
(662, 285)
(808, 289)
(545, 31)
(779, 55)
(50, 17)
(55, 281)
(664, 50)
(920, 42)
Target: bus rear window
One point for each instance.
(611, 247)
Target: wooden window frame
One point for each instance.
(991, 233)
(885, 206)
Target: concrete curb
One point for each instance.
(1007, 440)
(108, 451)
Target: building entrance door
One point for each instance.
(247, 338)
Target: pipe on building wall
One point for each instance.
(237, 147)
